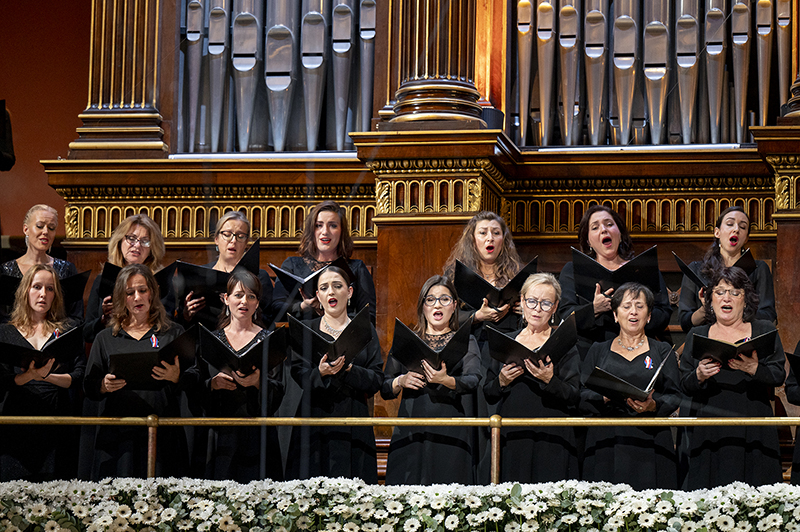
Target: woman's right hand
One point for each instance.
(707, 368)
(310, 303)
(411, 380)
(106, 308)
(111, 383)
(602, 300)
(509, 373)
(33, 373)
(332, 368)
(487, 313)
(192, 306)
(699, 315)
(223, 381)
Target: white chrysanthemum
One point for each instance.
(351, 527)
(495, 514)
(743, 526)
(226, 523)
(123, 511)
(333, 527)
(81, 511)
(616, 521)
(688, 526)
(725, 523)
(688, 507)
(439, 518)
(369, 527)
(451, 522)
(381, 514)
(51, 526)
(582, 507)
(39, 510)
(569, 519)
(184, 524)
(105, 520)
(169, 514)
(664, 507)
(472, 502)
(303, 504)
(386, 527)
(416, 500)
(529, 526)
(394, 507)
(340, 509)
(675, 522)
(141, 506)
(791, 526)
(758, 512)
(586, 520)
(205, 526)
(437, 503)
(303, 522)
(646, 519)
(796, 514)
(511, 526)
(411, 525)
(473, 520)
(608, 527)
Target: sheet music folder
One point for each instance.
(472, 288)
(722, 351)
(508, 351)
(72, 287)
(642, 269)
(136, 367)
(292, 282)
(354, 338)
(695, 276)
(63, 349)
(108, 278)
(410, 350)
(613, 387)
(215, 352)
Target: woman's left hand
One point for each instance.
(542, 370)
(744, 363)
(254, 379)
(167, 371)
(330, 368)
(33, 373)
(439, 376)
(517, 308)
(648, 405)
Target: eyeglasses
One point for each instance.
(132, 240)
(544, 304)
(734, 292)
(230, 235)
(430, 301)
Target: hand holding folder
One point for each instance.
(108, 278)
(410, 350)
(508, 350)
(220, 356)
(722, 352)
(136, 367)
(312, 345)
(472, 288)
(63, 350)
(308, 285)
(642, 269)
(617, 388)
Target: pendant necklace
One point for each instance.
(637, 346)
(333, 332)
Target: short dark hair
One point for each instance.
(249, 281)
(436, 280)
(736, 277)
(625, 249)
(635, 289)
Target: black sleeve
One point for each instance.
(364, 288)
(391, 371)
(762, 280)
(94, 313)
(284, 303)
(265, 303)
(792, 388)
(367, 378)
(584, 311)
(688, 304)
(771, 369)
(667, 393)
(690, 384)
(96, 368)
(566, 381)
(591, 402)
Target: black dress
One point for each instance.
(122, 451)
(792, 388)
(537, 454)
(336, 451)
(63, 268)
(643, 457)
(600, 328)
(721, 455)
(762, 282)
(284, 303)
(435, 455)
(234, 452)
(38, 453)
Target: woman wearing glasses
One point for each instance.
(544, 389)
(434, 455)
(136, 240)
(742, 388)
(230, 238)
(326, 237)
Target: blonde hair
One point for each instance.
(541, 278)
(36, 208)
(157, 248)
(21, 316)
(157, 316)
(231, 215)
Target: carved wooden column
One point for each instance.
(133, 53)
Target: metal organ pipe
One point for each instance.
(656, 65)
(281, 49)
(246, 61)
(314, 57)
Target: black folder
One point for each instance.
(616, 388)
(110, 272)
(472, 288)
(508, 351)
(693, 274)
(136, 367)
(215, 352)
(410, 350)
(794, 362)
(722, 351)
(292, 282)
(746, 262)
(63, 349)
(642, 269)
(72, 287)
(354, 338)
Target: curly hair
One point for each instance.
(157, 248)
(712, 260)
(635, 290)
(625, 249)
(157, 316)
(308, 245)
(22, 315)
(737, 278)
(508, 262)
(436, 280)
(250, 283)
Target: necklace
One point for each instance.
(334, 332)
(637, 346)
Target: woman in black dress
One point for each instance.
(38, 453)
(434, 455)
(332, 390)
(744, 388)
(326, 237)
(730, 236)
(136, 240)
(235, 451)
(230, 237)
(137, 322)
(643, 457)
(532, 454)
(792, 389)
(603, 236)
(39, 226)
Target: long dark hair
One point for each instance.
(157, 316)
(736, 277)
(308, 245)
(249, 282)
(712, 260)
(436, 280)
(625, 249)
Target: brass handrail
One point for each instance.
(495, 423)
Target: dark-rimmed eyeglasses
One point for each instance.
(230, 235)
(430, 301)
(734, 292)
(544, 304)
(133, 239)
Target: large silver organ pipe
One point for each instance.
(764, 32)
(246, 53)
(595, 53)
(195, 28)
(656, 65)
(625, 57)
(716, 45)
(545, 52)
(569, 41)
(342, 34)
(783, 18)
(524, 64)
(740, 38)
(218, 54)
(366, 27)
(281, 49)
(687, 51)
(314, 57)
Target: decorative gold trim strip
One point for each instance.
(119, 145)
(147, 129)
(97, 113)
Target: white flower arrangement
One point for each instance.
(340, 505)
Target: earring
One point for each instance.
(553, 321)
(590, 249)
(348, 301)
(227, 311)
(216, 247)
(26, 240)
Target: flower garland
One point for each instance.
(340, 505)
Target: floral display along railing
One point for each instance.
(495, 423)
(341, 505)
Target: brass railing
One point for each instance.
(495, 423)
